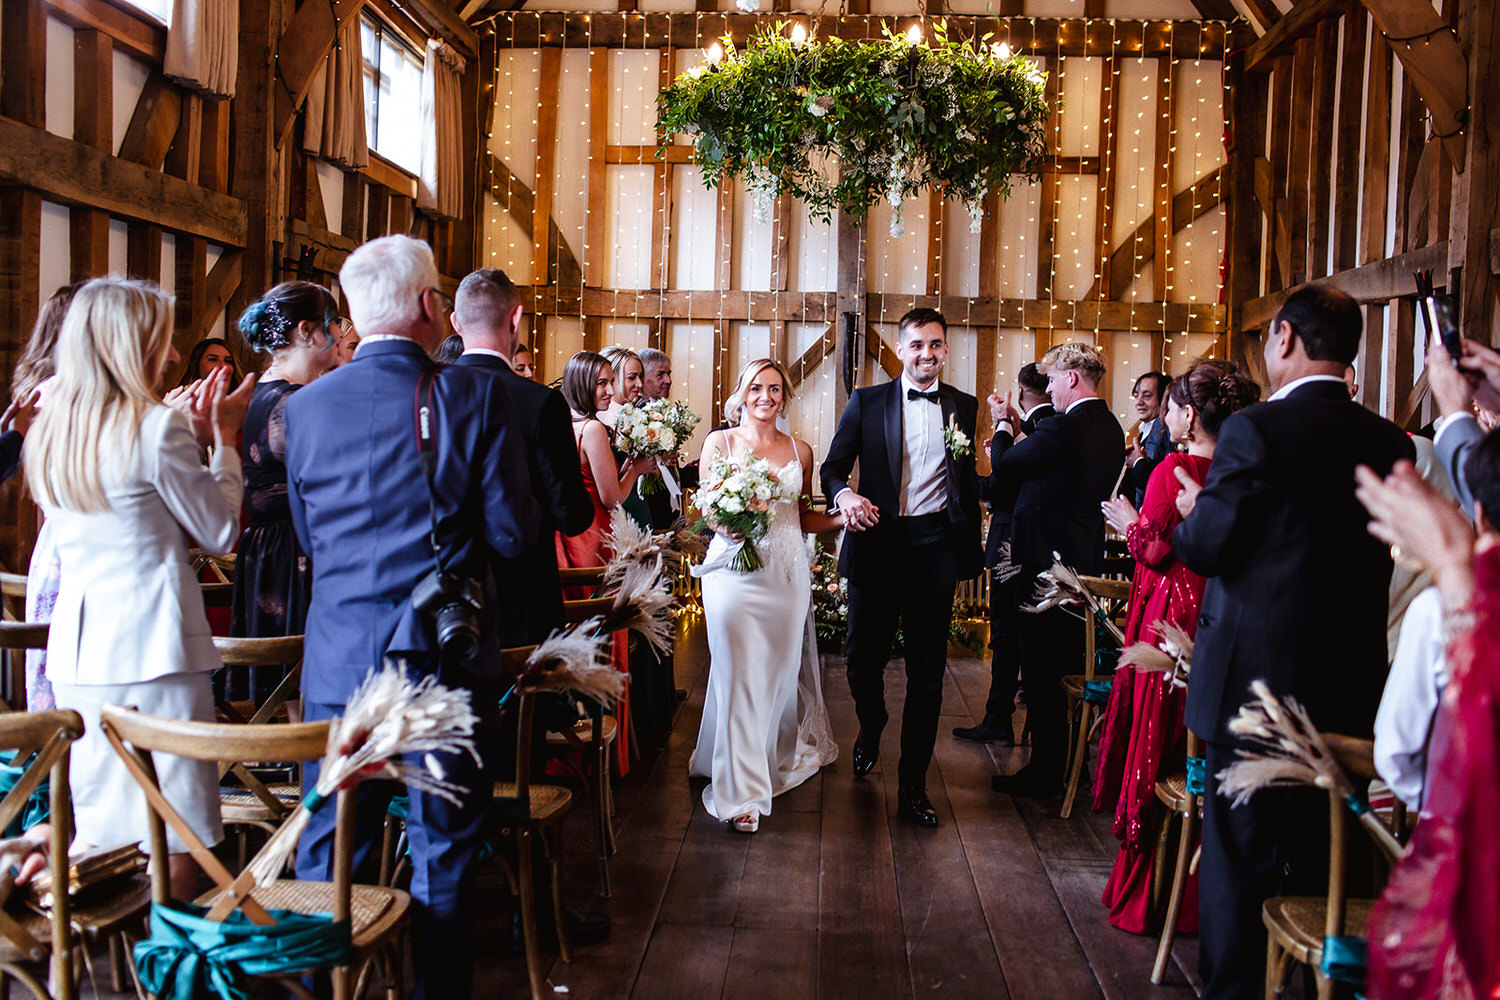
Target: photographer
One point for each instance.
(401, 528)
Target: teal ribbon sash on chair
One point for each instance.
(38, 804)
(1097, 692)
(188, 957)
(1345, 960)
(1197, 776)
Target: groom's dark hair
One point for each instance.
(921, 317)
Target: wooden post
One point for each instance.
(255, 158)
(1474, 213)
(93, 89)
(851, 300)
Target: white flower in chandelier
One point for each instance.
(748, 6)
(898, 227)
(820, 105)
(976, 216)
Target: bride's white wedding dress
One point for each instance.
(765, 729)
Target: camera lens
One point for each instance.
(457, 631)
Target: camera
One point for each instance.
(453, 605)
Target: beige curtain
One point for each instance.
(335, 124)
(203, 45)
(440, 182)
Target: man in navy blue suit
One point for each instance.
(360, 506)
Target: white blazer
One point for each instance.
(129, 607)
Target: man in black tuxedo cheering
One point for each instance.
(1061, 472)
(1005, 600)
(1296, 597)
(913, 534)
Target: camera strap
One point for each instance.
(423, 413)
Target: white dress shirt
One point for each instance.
(1298, 383)
(490, 353)
(1403, 723)
(924, 487)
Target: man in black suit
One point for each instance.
(1005, 600)
(487, 314)
(1296, 597)
(1061, 472)
(913, 534)
(1149, 440)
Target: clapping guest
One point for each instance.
(1143, 735)
(36, 368)
(629, 376)
(1149, 440)
(345, 341)
(294, 323)
(208, 356)
(119, 477)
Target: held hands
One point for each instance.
(20, 413)
(1120, 514)
(858, 512)
(1187, 500)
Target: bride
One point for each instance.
(765, 729)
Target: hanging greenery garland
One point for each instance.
(898, 115)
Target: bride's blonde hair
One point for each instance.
(734, 406)
(110, 352)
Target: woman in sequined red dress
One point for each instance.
(1143, 735)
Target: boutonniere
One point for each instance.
(959, 445)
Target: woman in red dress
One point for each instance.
(1144, 736)
(588, 387)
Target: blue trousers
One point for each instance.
(445, 843)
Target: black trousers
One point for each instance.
(1274, 844)
(1005, 647)
(1051, 646)
(916, 595)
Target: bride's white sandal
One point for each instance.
(748, 823)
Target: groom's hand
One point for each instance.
(858, 512)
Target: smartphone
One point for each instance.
(1437, 314)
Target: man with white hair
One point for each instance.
(402, 517)
(657, 383)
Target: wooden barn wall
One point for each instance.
(1119, 243)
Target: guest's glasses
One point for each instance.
(444, 299)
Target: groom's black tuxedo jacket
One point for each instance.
(1298, 589)
(870, 431)
(1062, 471)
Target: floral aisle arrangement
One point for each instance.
(736, 496)
(830, 596)
(899, 114)
(655, 429)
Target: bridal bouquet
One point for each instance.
(736, 496)
(656, 429)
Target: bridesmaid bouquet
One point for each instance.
(736, 496)
(656, 429)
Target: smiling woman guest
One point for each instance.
(629, 378)
(208, 356)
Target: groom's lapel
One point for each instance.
(950, 416)
(894, 435)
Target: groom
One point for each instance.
(913, 534)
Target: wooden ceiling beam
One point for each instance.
(1427, 47)
(1299, 22)
(300, 52)
(1261, 15)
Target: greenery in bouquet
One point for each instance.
(898, 114)
(655, 429)
(736, 496)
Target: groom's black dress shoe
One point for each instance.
(1027, 784)
(864, 759)
(993, 729)
(913, 805)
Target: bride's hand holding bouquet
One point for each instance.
(736, 498)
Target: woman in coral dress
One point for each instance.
(587, 385)
(1144, 736)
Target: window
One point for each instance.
(393, 94)
(159, 9)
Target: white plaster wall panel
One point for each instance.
(331, 185)
(517, 75)
(960, 250)
(570, 194)
(506, 244)
(678, 6)
(1198, 252)
(1073, 249)
(588, 5)
(564, 339)
(962, 367)
(626, 333)
(129, 80)
(814, 250)
(1136, 147)
(1201, 345)
(212, 253)
(1054, 8)
(898, 264)
(1152, 9)
(627, 228)
(1198, 102)
(691, 348)
(1078, 83)
(753, 242)
(119, 244)
(1141, 287)
(59, 98)
(813, 411)
(52, 249)
(169, 263)
(752, 341)
(632, 96)
(1013, 349)
(1128, 356)
(694, 238)
(1018, 241)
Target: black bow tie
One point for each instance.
(931, 397)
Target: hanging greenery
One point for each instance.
(897, 113)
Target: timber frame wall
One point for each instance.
(224, 177)
(1367, 147)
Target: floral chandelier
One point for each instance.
(897, 114)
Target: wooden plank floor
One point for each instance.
(835, 897)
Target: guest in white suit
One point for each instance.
(119, 477)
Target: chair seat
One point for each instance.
(1173, 793)
(99, 912)
(373, 911)
(240, 805)
(548, 802)
(583, 732)
(1297, 923)
(1073, 685)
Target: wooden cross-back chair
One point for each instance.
(28, 936)
(1183, 803)
(377, 915)
(1083, 714)
(13, 596)
(1296, 926)
(15, 638)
